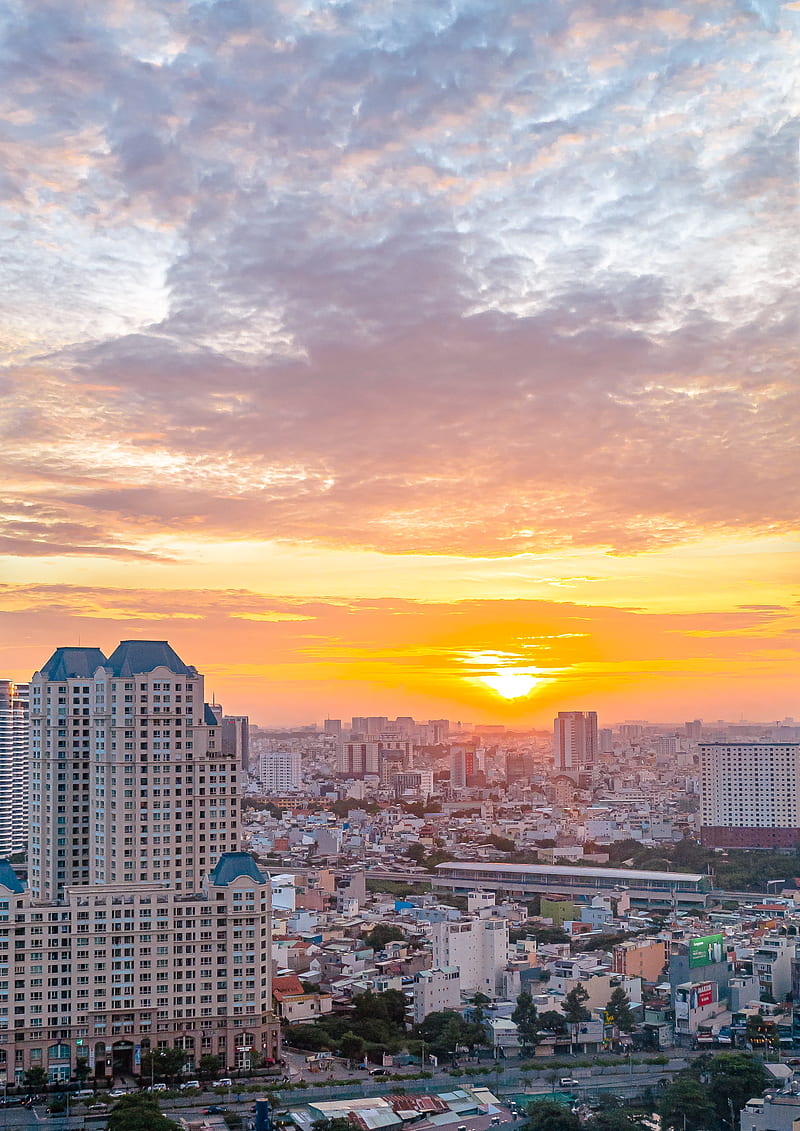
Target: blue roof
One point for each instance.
(9, 878)
(137, 657)
(74, 663)
(232, 865)
(209, 718)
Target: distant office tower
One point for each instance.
(606, 737)
(333, 727)
(13, 766)
(356, 759)
(694, 729)
(418, 782)
(280, 771)
(631, 732)
(666, 745)
(463, 765)
(750, 794)
(519, 767)
(575, 740)
(439, 730)
(236, 738)
(124, 757)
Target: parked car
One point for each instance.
(117, 1093)
(225, 1082)
(157, 1088)
(215, 1109)
(190, 1084)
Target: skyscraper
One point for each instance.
(750, 794)
(236, 738)
(575, 740)
(129, 780)
(134, 831)
(13, 766)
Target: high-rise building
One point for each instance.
(693, 729)
(129, 781)
(333, 727)
(134, 830)
(357, 759)
(463, 765)
(13, 766)
(280, 771)
(750, 794)
(236, 738)
(575, 740)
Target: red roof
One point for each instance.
(288, 985)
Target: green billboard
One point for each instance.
(705, 951)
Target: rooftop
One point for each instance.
(621, 874)
(136, 657)
(73, 663)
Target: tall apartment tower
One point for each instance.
(129, 781)
(575, 740)
(750, 794)
(236, 738)
(13, 766)
(463, 764)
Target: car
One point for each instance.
(190, 1084)
(215, 1109)
(117, 1093)
(157, 1088)
(225, 1082)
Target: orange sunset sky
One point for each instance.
(377, 354)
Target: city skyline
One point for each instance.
(432, 359)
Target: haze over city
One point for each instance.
(432, 359)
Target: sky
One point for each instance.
(431, 357)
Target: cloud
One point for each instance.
(478, 279)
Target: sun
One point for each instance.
(511, 685)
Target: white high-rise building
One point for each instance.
(750, 794)
(477, 947)
(13, 766)
(280, 771)
(575, 744)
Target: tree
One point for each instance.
(383, 933)
(734, 1078)
(163, 1063)
(619, 1011)
(575, 1011)
(337, 1123)
(685, 1103)
(549, 1115)
(553, 1021)
(613, 1116)
(417, 853)
(35, 1079)
(139, 1113)
(209, 1066)
(81, 1069)
(351, 1046)
(526, 1018)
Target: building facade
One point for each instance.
(750, 794)
(478, 948)
(575, 745)
(14, 770)
(113, 970)
(143, 926)
(280, 771)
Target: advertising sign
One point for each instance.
(701, 995)
(705, 951)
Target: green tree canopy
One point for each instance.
(574, 1009)
(139, 1113)
(163, 1063)
(209, 1065)
(548, 1115)
(35, 1079)
(383, 933)
(619, 1010)
(526, 1018)
(686, 1103)
(733, 1079)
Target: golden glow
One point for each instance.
(510, 684)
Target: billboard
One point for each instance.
(701, 995)
(705, 951)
